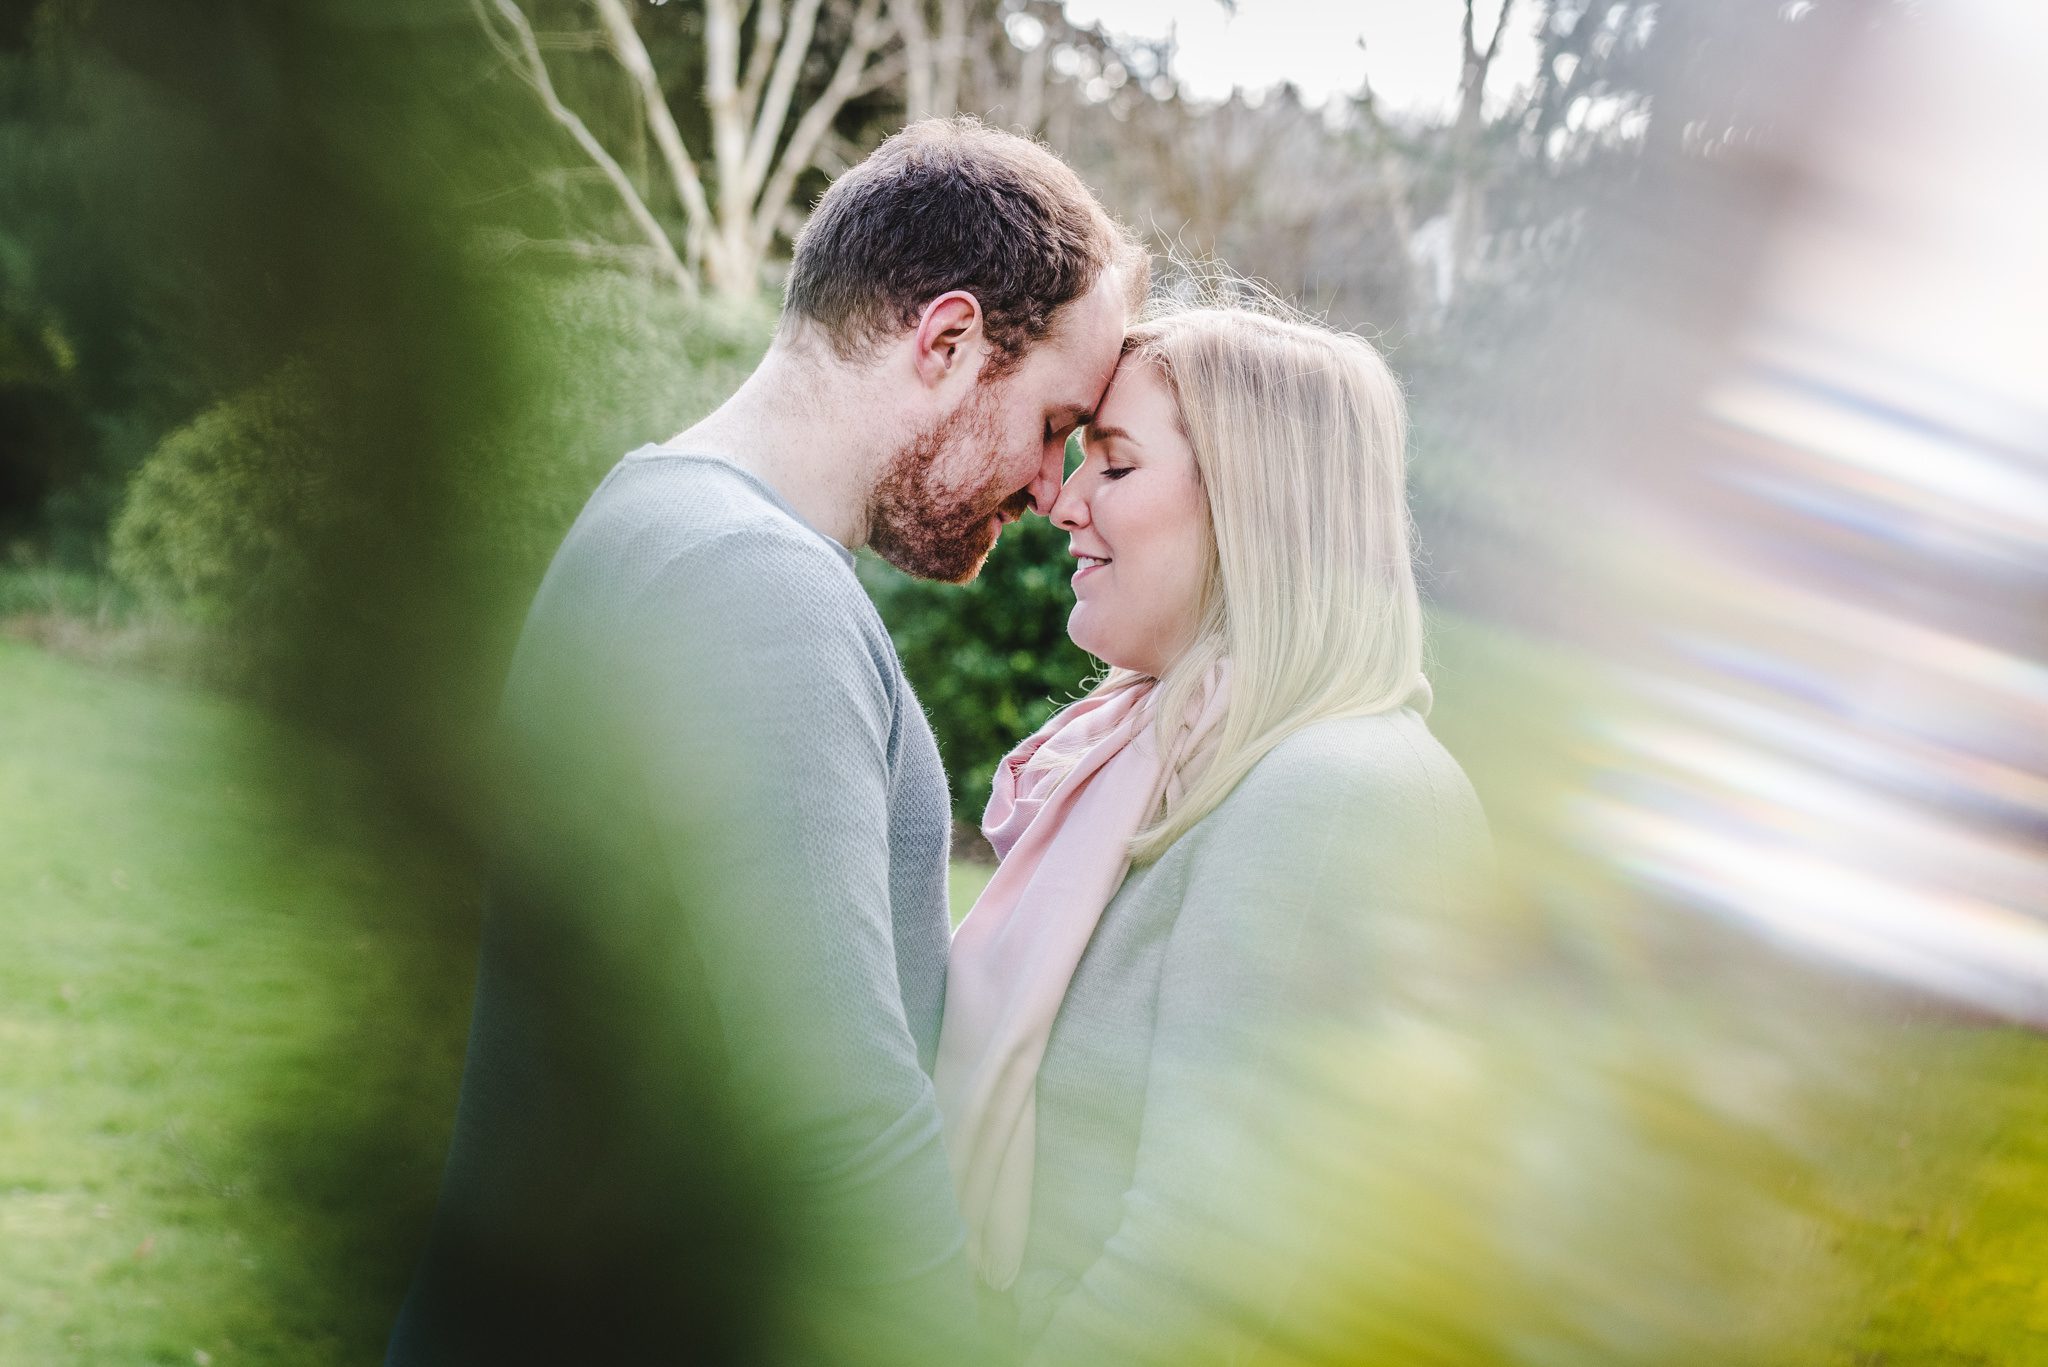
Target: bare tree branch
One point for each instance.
(682, 169)
(1472, 52)
(533, 69)
(767, 41)
(880, 75)
(917, 58)
(579, 40)
(506, 242)
(836, 153)
(554, 178)
(1500, 26)
(951, 53)
(774, 108)
(722, 92)
(817, 120)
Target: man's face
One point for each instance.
(943, 499)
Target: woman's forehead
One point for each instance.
(1136, 387)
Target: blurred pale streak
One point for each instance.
(1837, 717)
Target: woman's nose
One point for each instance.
(1070, 510)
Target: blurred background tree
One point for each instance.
(644, 168)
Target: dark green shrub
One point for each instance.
(220, 510)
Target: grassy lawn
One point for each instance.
(964, 882)
(195, 991)
(224, 1066)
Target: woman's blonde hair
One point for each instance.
(1300, 438)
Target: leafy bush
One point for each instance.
(611, 362)
(221, 515)
(221, 506)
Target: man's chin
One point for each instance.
(954, 561)
(964, 567)
(966, 576)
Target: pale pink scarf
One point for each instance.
(1065, 805)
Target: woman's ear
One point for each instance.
(950, 341)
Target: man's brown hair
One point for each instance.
(952, 204)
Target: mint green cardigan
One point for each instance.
(1166, 1224)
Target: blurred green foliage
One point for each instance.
(89, 371)
(293, 201)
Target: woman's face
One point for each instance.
(1139, 526)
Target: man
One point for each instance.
(696, 1118)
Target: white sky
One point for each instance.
(1412, 45)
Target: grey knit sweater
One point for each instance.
(1180, 1110)
(727, 836)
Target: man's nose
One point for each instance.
(1045, 485)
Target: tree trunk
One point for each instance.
(951, 56)
(1468, 176)
(918, 75)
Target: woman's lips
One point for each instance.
(1089, 565)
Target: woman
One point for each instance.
(1210, 861)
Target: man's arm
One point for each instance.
(766, 720)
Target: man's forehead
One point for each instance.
(1103, 314)
(1083, 348)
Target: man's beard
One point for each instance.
(924, 528)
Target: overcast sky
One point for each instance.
(1412, 45)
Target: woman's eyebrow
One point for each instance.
(1098, 432)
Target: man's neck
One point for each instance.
(791, 426)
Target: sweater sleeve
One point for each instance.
(768, 707)
(1315, 875)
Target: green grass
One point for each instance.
(226, 1062)
(964, 882)
(91, 617)
(194, 995)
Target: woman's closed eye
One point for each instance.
(1116, 471)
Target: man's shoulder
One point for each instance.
(667, 528)
(690, 548)
(658, 505)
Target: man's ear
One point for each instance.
(950, 341)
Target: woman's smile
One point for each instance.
(1088, 565)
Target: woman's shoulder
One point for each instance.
(1356, 764)
(1343, 816)
(1371, 793)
